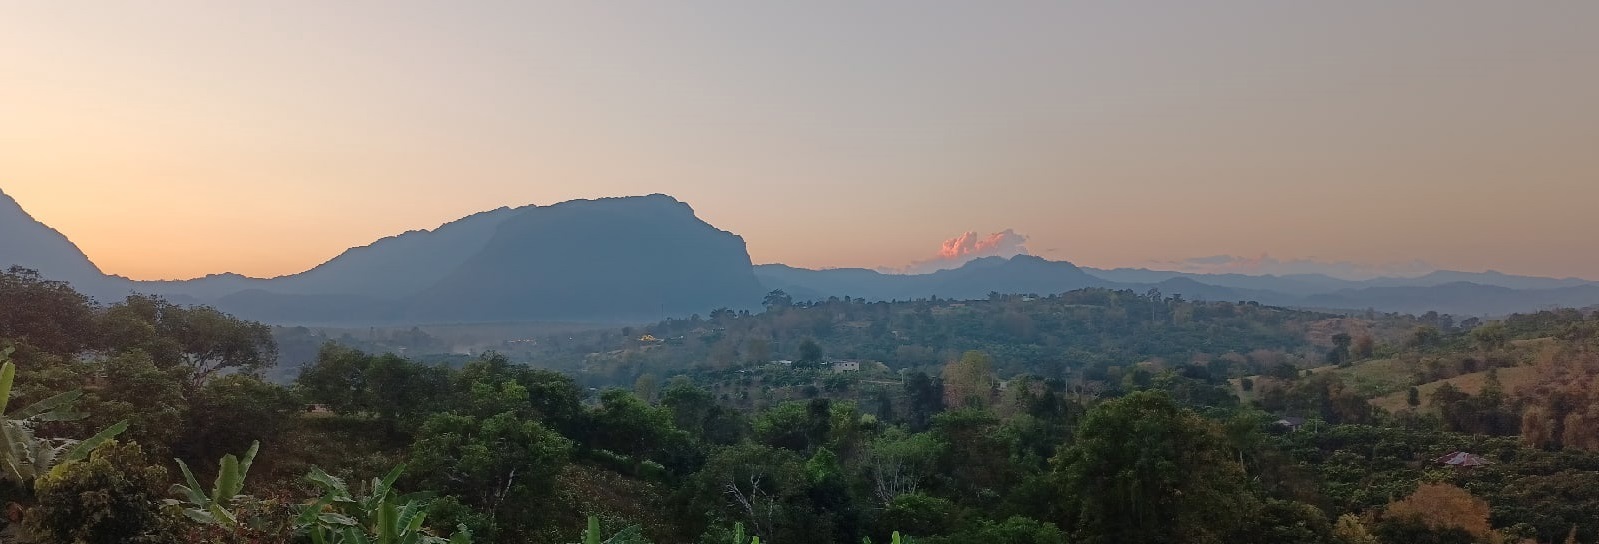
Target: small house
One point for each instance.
(1462, 459)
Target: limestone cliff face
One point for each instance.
(614, 258)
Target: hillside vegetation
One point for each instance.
(1092, 416)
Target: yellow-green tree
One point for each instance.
(969, 382)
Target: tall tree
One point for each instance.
(43, 315)
(1144, 470)
(504, 466)
(898, 463)
(203, 340)
(777, 300)
(969, 382)
(810, 352)
(924, 398)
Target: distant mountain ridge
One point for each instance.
(371, 270)
(1443, 292)
(647, 257)
(975, 279)
(610, 259)
(26, 242)
(1305, 284)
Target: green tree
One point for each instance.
(762, 486)
(231, 412)
(696, 412)
(777, 300)
(647, 387)
(810, 352)
(1014, 530)
(503, 466)
(1340, 354)
(130, 386)
(898, 463)
(1144, 470)
(1490, 337)
(625, 424)
(1425, 336)
(800, 426)
(924, 398)
(400, 393)
(337, 379)
(1287, 521)
(492, 385)
(976, 456)
(44, 315)
(918, 514)
(202, 340)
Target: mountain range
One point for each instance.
(646, 257)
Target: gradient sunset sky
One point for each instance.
(173, 139)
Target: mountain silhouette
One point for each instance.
(647, 257)
(975, 279)
(613, 258)
(28, 243)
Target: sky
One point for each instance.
(174, 139)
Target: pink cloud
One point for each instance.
(967, 247)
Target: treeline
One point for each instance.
(1089, 329)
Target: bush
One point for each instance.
(105, 499)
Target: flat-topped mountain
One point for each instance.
(615, 258)
(610, 259)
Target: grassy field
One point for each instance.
(1510, 378)
(1381, 378)
(1377, 377)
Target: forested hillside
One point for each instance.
(1086, 332)
(1093, 416)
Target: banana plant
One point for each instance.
(739, 538)
(376, 515)
(25, 456)
(630, 535)
(215, 508)
(895, 540)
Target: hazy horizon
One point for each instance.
(969, 246)
(190, 138)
